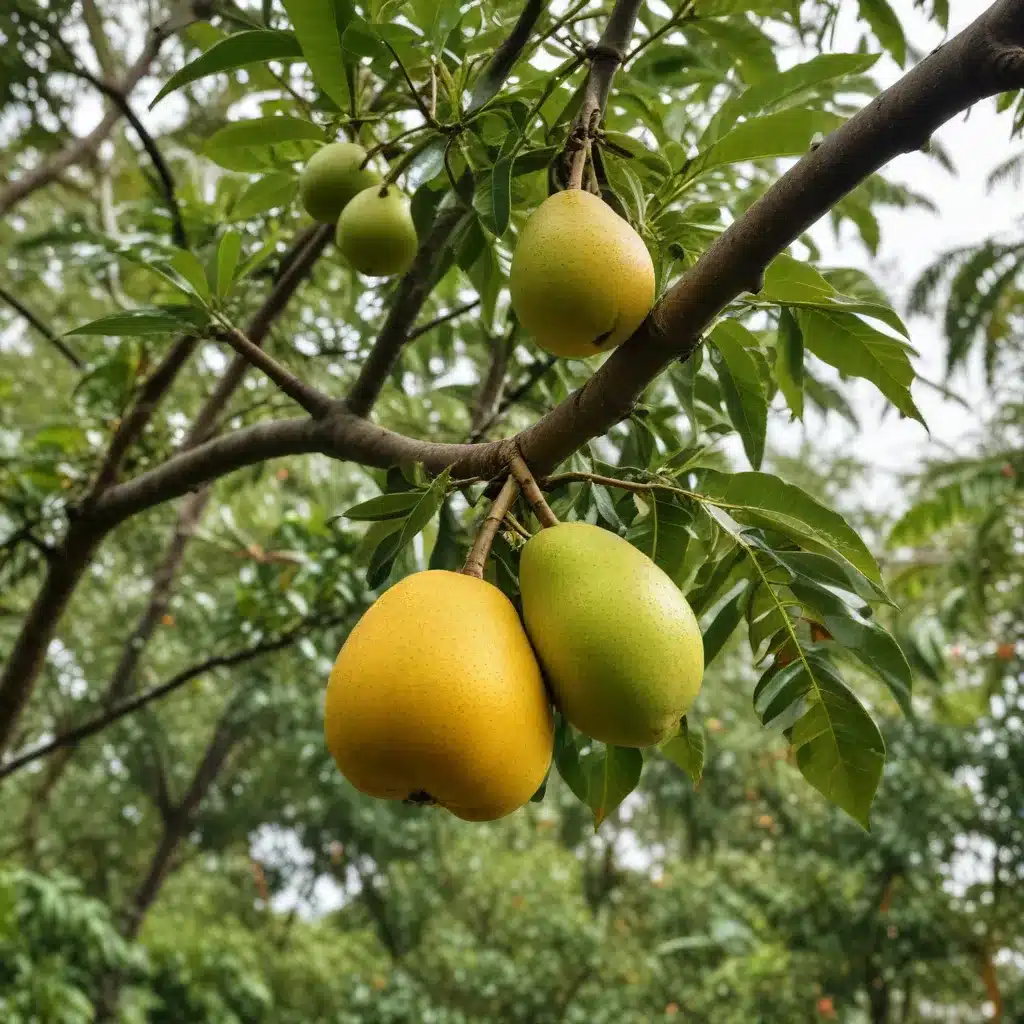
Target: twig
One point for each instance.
(477, 558)
(118, 98)
(119, 711)
(517, 526)
(423, 108)
(532, 493)
(442, 319)
(682, 13)
(51, 336)
(488, 396)
(314, 401)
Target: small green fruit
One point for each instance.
(376, 233)
(581, 280)
(619, 644)
(331, 179)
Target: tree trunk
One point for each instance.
(63, 573)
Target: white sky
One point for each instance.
(910, 241)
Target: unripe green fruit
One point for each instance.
(376, 233)
(581, 280)
(331, 178)
(619, 644)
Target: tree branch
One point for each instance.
(417, 332)
(51, 336)
(605, 59)
(532, 493)
(120, 101)
(314, 401)
(76, 151)
(534, 374)
(477, 558)
(74, 736)
(486, 402)
(492, 78)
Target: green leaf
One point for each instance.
(236, 51)
(144, 322)
(385, 506)
(319, 26)
(859, 350)
(760, 499)
(795, 82)
(866, 640)
(662, 533)
(426, 508)
(385, 537)
(567, 760)
(832, 572)
(741, 385)
(188, 266)
(839, 749)
(886, 26)
(501, 184)
(686, 750)
(786, 133)
(447, 554)
(277, 189)
(611, 777)
(239, 138)
(724, 624)
(229, 252)
(789, 362)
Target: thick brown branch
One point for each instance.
(492, 78)
(51, 336)
(532, 493)
(477, 558)
(314, 401)
(76, 151)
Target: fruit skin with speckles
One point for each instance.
(437, 694)
(582, 280)
(332, 178)
(376, 234)
(620, 646)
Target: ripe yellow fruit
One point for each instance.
(437, 693)
(619, 644)
(581, 280)
(332, 178)
(376, 233)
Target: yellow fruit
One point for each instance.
(376, 233)
(437, 693)
(620, 646)
(581, 280)
(332, 178)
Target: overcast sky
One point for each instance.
(910, 241)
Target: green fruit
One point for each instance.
(581, 280)
(376, 233)
(620, 646)
(331, 178)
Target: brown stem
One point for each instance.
(314, 401)
(532, 493)
(477, 558)
(51, 336)
(487, 398)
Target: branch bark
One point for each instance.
(78, 150)
(51, 336)
(477, 558)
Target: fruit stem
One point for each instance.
(477, 557)
(541, 509)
